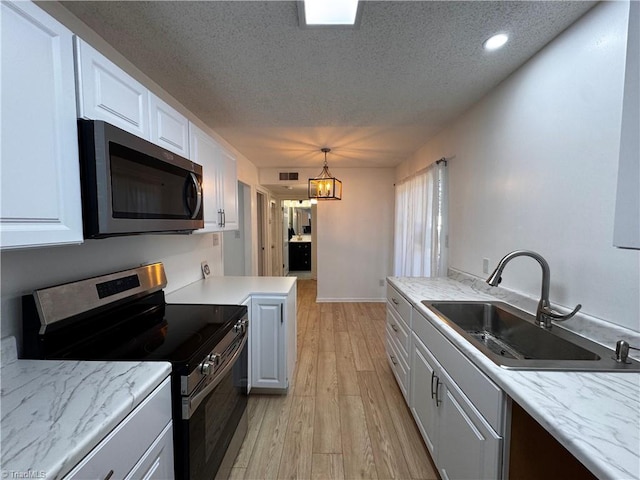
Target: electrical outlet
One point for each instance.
(206, 271)
(382, 283)
(485, 265)
(216, 240)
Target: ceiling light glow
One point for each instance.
(330, 12)
(495, 42)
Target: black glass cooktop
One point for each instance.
(146, 329)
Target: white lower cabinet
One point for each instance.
(458, 410)
(422, 393)
(273, 341)
(140, 447)
(469, 448)
(157, 462)
(40, 181)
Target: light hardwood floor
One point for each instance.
(344, 416)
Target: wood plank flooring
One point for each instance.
(344, 416)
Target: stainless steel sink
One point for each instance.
(510, 338)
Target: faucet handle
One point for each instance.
(558, 316)
(545, 314)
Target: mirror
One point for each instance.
(299, 217)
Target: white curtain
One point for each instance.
(420, 238)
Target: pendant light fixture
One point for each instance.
(325, 186)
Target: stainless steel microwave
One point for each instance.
(131, 186)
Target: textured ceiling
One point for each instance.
(278, 93)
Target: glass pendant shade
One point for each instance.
(325, 186)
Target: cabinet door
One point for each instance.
(627, 219)
(204, 151)
(468, 447)
(423, 382)
(157, 462)
(169, 128)
(229, 189)
(40, 189)
(268, 343)
(106, 92)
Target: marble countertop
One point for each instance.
(53, 413)
(596, 416)
(230, 290)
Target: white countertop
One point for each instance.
(596, 416)
(303, 239)
(55, 412)
(230, 290)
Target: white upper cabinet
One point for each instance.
(627, 222)
(106, 92)
(220, 181)
(229, 189)
(40, 189)
(169, 128)
(204, 151)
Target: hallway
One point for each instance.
(344, 416)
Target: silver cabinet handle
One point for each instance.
(393, 327)
(109, 475)
(393, 359)
(224, 218)
(394, 301)
(433, 376)
(438, 401)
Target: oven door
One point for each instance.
(212, 435)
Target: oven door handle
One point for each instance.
(191, 403)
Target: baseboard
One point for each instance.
(350, 300)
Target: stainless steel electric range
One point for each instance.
(123, 316)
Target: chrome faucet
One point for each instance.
(544, 313)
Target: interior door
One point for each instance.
(285, 240)
(260, 230)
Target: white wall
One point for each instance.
(534, 165)
(355, 236)
(233, 242)
(26, 270)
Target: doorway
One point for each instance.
(261, 230)
(299, 241)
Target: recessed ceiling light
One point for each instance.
(495, 42)
(330, 12)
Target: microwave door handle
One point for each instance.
(196, 184)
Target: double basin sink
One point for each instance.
(510, 338)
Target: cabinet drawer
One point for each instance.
(481, 391)
(398, 329)
(399, 304)
(121, 450)
(398, 365)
